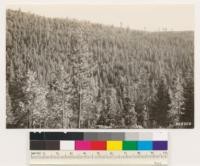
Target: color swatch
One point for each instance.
(130, 145)
(99, 148)
(114, 145)
(109, 141)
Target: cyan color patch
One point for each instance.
(145, 145)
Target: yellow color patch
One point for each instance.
(114, 145)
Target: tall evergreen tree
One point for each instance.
(35, 101)
(82, 77)
(177, 102)
(160, 106)
(188, 112)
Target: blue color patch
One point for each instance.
(145, 145)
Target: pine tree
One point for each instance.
(17, 98)
(35, 101)
(176, 105)
(160, 106)
(188, 111)
(54, 105)
(65, 87)
(10, 118)
(82, 78)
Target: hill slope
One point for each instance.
(64, 73)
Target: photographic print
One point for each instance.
(100, 66)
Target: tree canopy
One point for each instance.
(64, 73)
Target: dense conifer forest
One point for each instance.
(65, 73)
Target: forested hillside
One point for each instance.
(64, 73)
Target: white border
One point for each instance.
(104, 2)
(100, 2)
(16, 153)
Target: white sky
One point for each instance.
(151, 17)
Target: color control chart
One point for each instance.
(99, 148)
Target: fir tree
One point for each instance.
(188, 111)
(177, 102)
(160, 106)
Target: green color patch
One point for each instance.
(129, 145)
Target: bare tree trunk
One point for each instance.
(63, 118)
(79, 113)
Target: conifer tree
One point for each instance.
(35, 101)
(176, 105)
(160, 106)
(82, 77)
(188, 111)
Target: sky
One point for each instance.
(150, 17)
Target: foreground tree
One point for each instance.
(35, 101)
(188, 111)
(83, 80)
(160, 106)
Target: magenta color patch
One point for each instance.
(82, 145)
